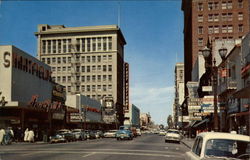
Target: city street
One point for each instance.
(146, 147)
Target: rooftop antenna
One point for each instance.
(119, 13)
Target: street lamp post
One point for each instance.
(206, 52)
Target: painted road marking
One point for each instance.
(90, 154)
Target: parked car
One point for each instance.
(217, 145)
(138, 132)
(57, 138)
(162, 133)
(67, 134)
(90, 134)
(98, 134)
(172, 135)
(79, 134)
(110, 134)
(124, 134)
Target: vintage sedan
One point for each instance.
(67, 134)
(172, 135)
(57, 138)
(124, 134)
(218, 145)
(110, 134)
(79, 134)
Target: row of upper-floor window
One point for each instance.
(220, 17)
(216, 5)
(87, 78)
(91, 88)
(78, 58)
(82, 45)
(221, 29)
(92, 68)
(201, 41)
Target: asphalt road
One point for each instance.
(146, 147)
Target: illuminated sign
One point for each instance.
(126, 108)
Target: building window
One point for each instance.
(230, 29)
(99, 68)
(93, 59)
(200, 18)
(104, 43)
(83, 68)
(210, 18)
(241, 28)
(110, 57)
(200, 41)
(63, 69)
(69, 59)
(216, 17)
(98, 58)
(64, 46)
(69, 78)
(104, 88)
(110, 68)
(200, 7)
(69, 88)
(93, 68)
(69, 45)
(99, 88)
(229, 5)
(43, 46)
(224, 5)
(224, 29)
(69, 68)
(104, 77)
(216, 5)
(53, 69)
(83, 78)
(210, 5)
(83, 88)
(94, 44)
(229, 17)
(59, 46)
(53, 60)
(216, 29)
(88, 59)
(59, 60)
(48, 60)
(88, 44)
(110, 78)
(83, 44)
(99, 78)
(64, 59)
(88, 68)
(224, 17)
(77, 45)
(99, 44)
(88, 78)
(64, 79)
(104, 68)
(110, 43)
(58, 69)
(109, 87)
(210, 30)
(240, 3)
(93, 78)
(54, 46)
(58, 79)
(93, 88)
(49, 46)
(240, 16)
(43, 60)
(88, 88)
(200, 30)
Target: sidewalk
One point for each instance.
(188, 142)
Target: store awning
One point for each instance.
(243, 93)
(191, 124)
(201, 123)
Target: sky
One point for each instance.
(153, 31)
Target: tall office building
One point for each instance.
(213, 19)
(87, 60)
(179, 92)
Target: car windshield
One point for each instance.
(227, 148)
(173, 132)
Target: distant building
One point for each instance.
(87, 60)
(145, 119)
(179, 92)
(133, 116)
(214, 20)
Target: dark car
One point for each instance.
(79, 134)
(57, 138)
(90, 134)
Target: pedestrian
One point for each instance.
(2, 134)
(18, 134)
(26, 134)
(31, 136)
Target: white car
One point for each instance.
(110, 134)
(173, 135)
(138, 132)
(162, 133)
(218, 145)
